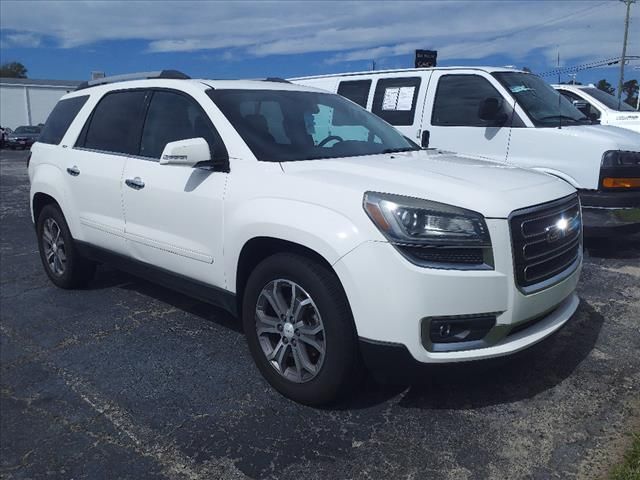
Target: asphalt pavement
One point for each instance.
(126, 379)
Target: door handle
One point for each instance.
(135, 183)
(73, 171)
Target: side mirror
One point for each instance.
(489, 109)
(187, 152)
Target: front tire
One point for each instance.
(61, 260)
(300, 330)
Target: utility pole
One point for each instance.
(624, 47)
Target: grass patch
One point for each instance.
(631, 215)
(629, 469)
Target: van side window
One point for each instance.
(60, 119)
(458, 100)
(395, 99)
(355, 90)
(116, 122)
(172, 117)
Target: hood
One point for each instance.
(613, 137)
(490, 188)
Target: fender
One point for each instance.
(561, 175)
(325, 231)
(48, 179)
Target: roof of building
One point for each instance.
(39, 82)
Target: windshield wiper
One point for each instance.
(398, 150)
(563, 117)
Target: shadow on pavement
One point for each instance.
(622, 246)
(493, 382)
(455, 386)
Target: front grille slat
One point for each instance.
(541, 249)
(542, 252)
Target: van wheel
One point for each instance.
(300, 329)
(58, 252)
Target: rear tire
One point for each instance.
(316, 336)
(59, 254)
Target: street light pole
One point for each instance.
(624, 47)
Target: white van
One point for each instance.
(601, 106)
(508, 116)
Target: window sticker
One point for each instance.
(390, 99)
(405, 98)
(520, 89)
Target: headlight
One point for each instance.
(431, 233)
(620, 170)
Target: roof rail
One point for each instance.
(174, 74)
(276, 79)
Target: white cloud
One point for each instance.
(343, 31)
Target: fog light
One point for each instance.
(464, 328)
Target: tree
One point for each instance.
(630, 88)
(13, 70)
(605, 86)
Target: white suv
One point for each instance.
(336, 240)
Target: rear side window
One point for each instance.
(458, 99)
(172, 117)
(116, 123)
(357, 91)
(60, 119)
(395, 100)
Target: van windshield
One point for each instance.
(544, 105)
(608, 100)
(281, 125)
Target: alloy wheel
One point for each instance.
(290, 330)
(54, 248)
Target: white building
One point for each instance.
(25, 101)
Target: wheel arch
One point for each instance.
(257, 249)
(48, 187)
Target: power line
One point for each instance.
(587, 66)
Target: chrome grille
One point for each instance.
(547, 242)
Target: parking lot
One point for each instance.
(129, 380)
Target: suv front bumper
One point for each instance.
(606, 213)
(391, 299)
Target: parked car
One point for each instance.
(601, 106)
(4, 133)
(333, 237)
(512, 117)
(23, 137)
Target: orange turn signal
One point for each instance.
(609, 182)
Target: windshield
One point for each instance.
(608, 100)
(280, 125)
(27, 130)
(545, 106)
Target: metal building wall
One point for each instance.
(28, 103)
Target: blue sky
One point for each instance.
(69, 39)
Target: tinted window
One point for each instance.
(357, 91)
(609, 100)
(296, 125)
(115, 123)
(172, 117)
(458, 99)
(60, 118)
(395, 100)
